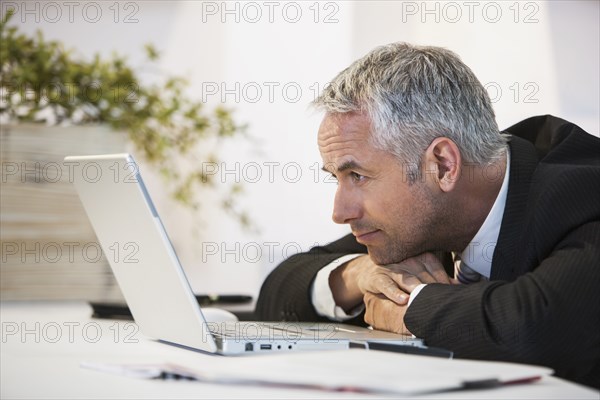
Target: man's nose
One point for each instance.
(345, 207)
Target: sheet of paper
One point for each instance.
(358, 370)
(381, 371)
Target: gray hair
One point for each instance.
(414, 94)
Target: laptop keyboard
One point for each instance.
(256, 330)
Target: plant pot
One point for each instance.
(49, 249)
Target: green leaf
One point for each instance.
(166, 126)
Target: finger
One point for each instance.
(395, 294)
(386, 285)
(411, 266)
(368, 309)
(373, 309)
(416, 267)
(408, 282)
(435, 268)
(399, 281)
(426, 267)
(383, 314)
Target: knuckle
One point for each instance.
(428, 257)
(409, 262)
(381, 282)
(401, 280)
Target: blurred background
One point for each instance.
(263, 62)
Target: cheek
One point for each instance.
(392, 202)
(405, 218)
(396, 208)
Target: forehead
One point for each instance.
(343, 131)
(344, 143)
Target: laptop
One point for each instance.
(154, 283)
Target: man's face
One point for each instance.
(393, 218)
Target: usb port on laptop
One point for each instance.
(265, 347)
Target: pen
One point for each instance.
(223, 298)
(422, 351)
(141, 371)
(166, 375)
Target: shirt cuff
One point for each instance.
(415, 293)
(322, 297)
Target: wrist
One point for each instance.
(343, 282)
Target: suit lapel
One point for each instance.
(523, 162)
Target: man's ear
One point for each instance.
(443, 162)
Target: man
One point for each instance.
(513, 219)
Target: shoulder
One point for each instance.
(568, 172)
(562, 190)
(564, 196)
(568, 158)
(555, 138)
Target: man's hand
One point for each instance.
(350, 282)
(395, 281)
(383, 314)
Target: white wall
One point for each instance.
(548, 50)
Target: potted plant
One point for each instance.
(40, 81)
(44, 85)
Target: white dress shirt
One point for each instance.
(477, 255)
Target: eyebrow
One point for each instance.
(346, 165)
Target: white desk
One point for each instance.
(43, 344)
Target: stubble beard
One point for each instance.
(407, 242)
(393, 251)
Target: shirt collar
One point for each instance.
(479, 252)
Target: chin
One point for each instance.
(385, 256)
(378, 256)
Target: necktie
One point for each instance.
(463, 273)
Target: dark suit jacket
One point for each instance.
(541, 305)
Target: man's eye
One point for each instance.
(357, 177)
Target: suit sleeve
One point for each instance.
(550, 316)
(285, 294)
